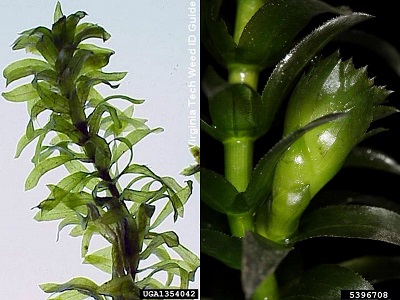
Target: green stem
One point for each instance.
(238, 168)
(267, 289)
(241, 73)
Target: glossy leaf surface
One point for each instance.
(351, 221)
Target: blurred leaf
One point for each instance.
(261, 257)
(212, 83)
(385, 50)
(227, 249)
(383, 111)
(351, 221)
(364, 157)
(375, 268)
(324, 282)
(214, 34)
(57, 12)
(120, 286)
(287, 70)
(80, 284)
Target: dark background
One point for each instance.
(385, 25)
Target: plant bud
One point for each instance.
(330, 86)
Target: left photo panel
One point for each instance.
(100, 150)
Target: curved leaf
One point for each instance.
(364, 157)
(375, 268)
(43, 167)
(271, 31)
(227, 249)
(100, 259)
(286, 71)
(351, 221)
(23, 68)
(80, 284)
(22, 93)
(324, 282)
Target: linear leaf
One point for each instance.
(23, 68)
(375, 268)
(100, 259)
(25, 92)
(42, 168)
(227, 249)
(80, 284)
(363, 157)
(351, 221)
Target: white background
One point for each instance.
(150, 43)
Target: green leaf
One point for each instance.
(26, 139)
(375, 269)
(22, 93)
(169, 238)
(80, 284)
(100, 259)
(47, 49)
(215, 36)
(42, 168)
(227, 249)
(218, 193)
(120, 286)
(260, 184)
(237, 111)
(287, 70)
(324, 282)
(64, 126)
(179, 196)
(88, 30)
(272, 30)
(365, 157)
(261, 257)
(57, 12)
(96, 116)
(351, 221)
(51, 100)
(23, 68)
(69, 295)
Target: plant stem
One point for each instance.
(241, 73)
(238, 168)
(267, 290)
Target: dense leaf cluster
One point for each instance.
(104, 192)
